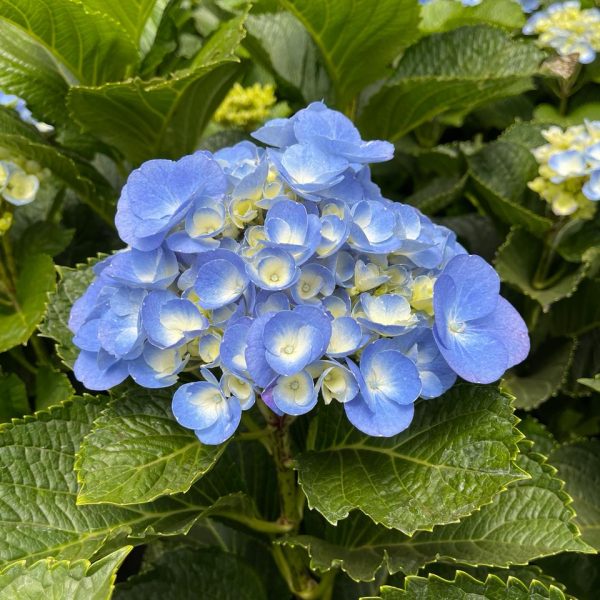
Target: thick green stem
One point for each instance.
(289, 560)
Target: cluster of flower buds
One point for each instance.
(247, 107)
(568, 29)
(569, 173)
(282, 272)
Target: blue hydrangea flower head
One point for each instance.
(282, 276)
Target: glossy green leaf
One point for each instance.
(282, 44)
(28, 303)
(357, 40)
(500, 173)
(443, 15)
(162, 117)
(185, 573)
(72, 285)
(138, 18)
(459, 447)
(464, 586)
(454, 71)
(137, 452)
(537, 433)
(39, 516)
(542, 375)
(437, 194)
(50, 579)
(517, 262)
(530, 519)
(578, 464)
(48, 45)
(13, 398)
(25, 141)
(51, 387)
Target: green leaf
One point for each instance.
(24, 140)
(49, 578)
(578, 314)
(464, 586)
(454, 71)
(578, 464)
(43, 237)
(51, 387)
(357, 40)
(443, 15)
(437, 194)
(536, 433)
(593, 383)
(458, 447)
(36, 280)
(500, 172)
(87, 47)
(185, 573)
(39, 516)
(517, 262)
(137, 452)
(72, 285)
(162, 117)
(280, 42)
(530, 519)
(542, 375)
(138, 18)
(550, 114)
(13, 398)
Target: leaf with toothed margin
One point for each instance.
(542, 375)
(517, 261)
(532, 518)
(51, 578)
(72, 285)
(464, 586)
(39, 516)
(578, 464)
(459, 447)
(137, 452)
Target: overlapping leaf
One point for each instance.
(465, 586)
(458, 447)
(19, 319)
(532, 518)
(280, 42)
(137, 452)
(578, 464)
(49, 578)
(518, 259)
(357, 40)
(161, 117)
(39, 516)
(449, 72)
(500, 172)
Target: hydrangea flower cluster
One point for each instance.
(19, 178)
(568, 29)
(283, 272)
(569, 173)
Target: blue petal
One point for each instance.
(198, 405)
(346, 337)
(233, 347)
(388, 420)
(220, 282)
(225, 427)
(258, 367)
(94, 376)
(295, 394)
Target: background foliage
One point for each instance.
(493, 491)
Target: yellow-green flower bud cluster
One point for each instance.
(19, 178)
(246, 107)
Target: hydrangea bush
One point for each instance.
(299, 300)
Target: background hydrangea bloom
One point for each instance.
(283, 273)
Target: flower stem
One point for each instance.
(290, 561)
